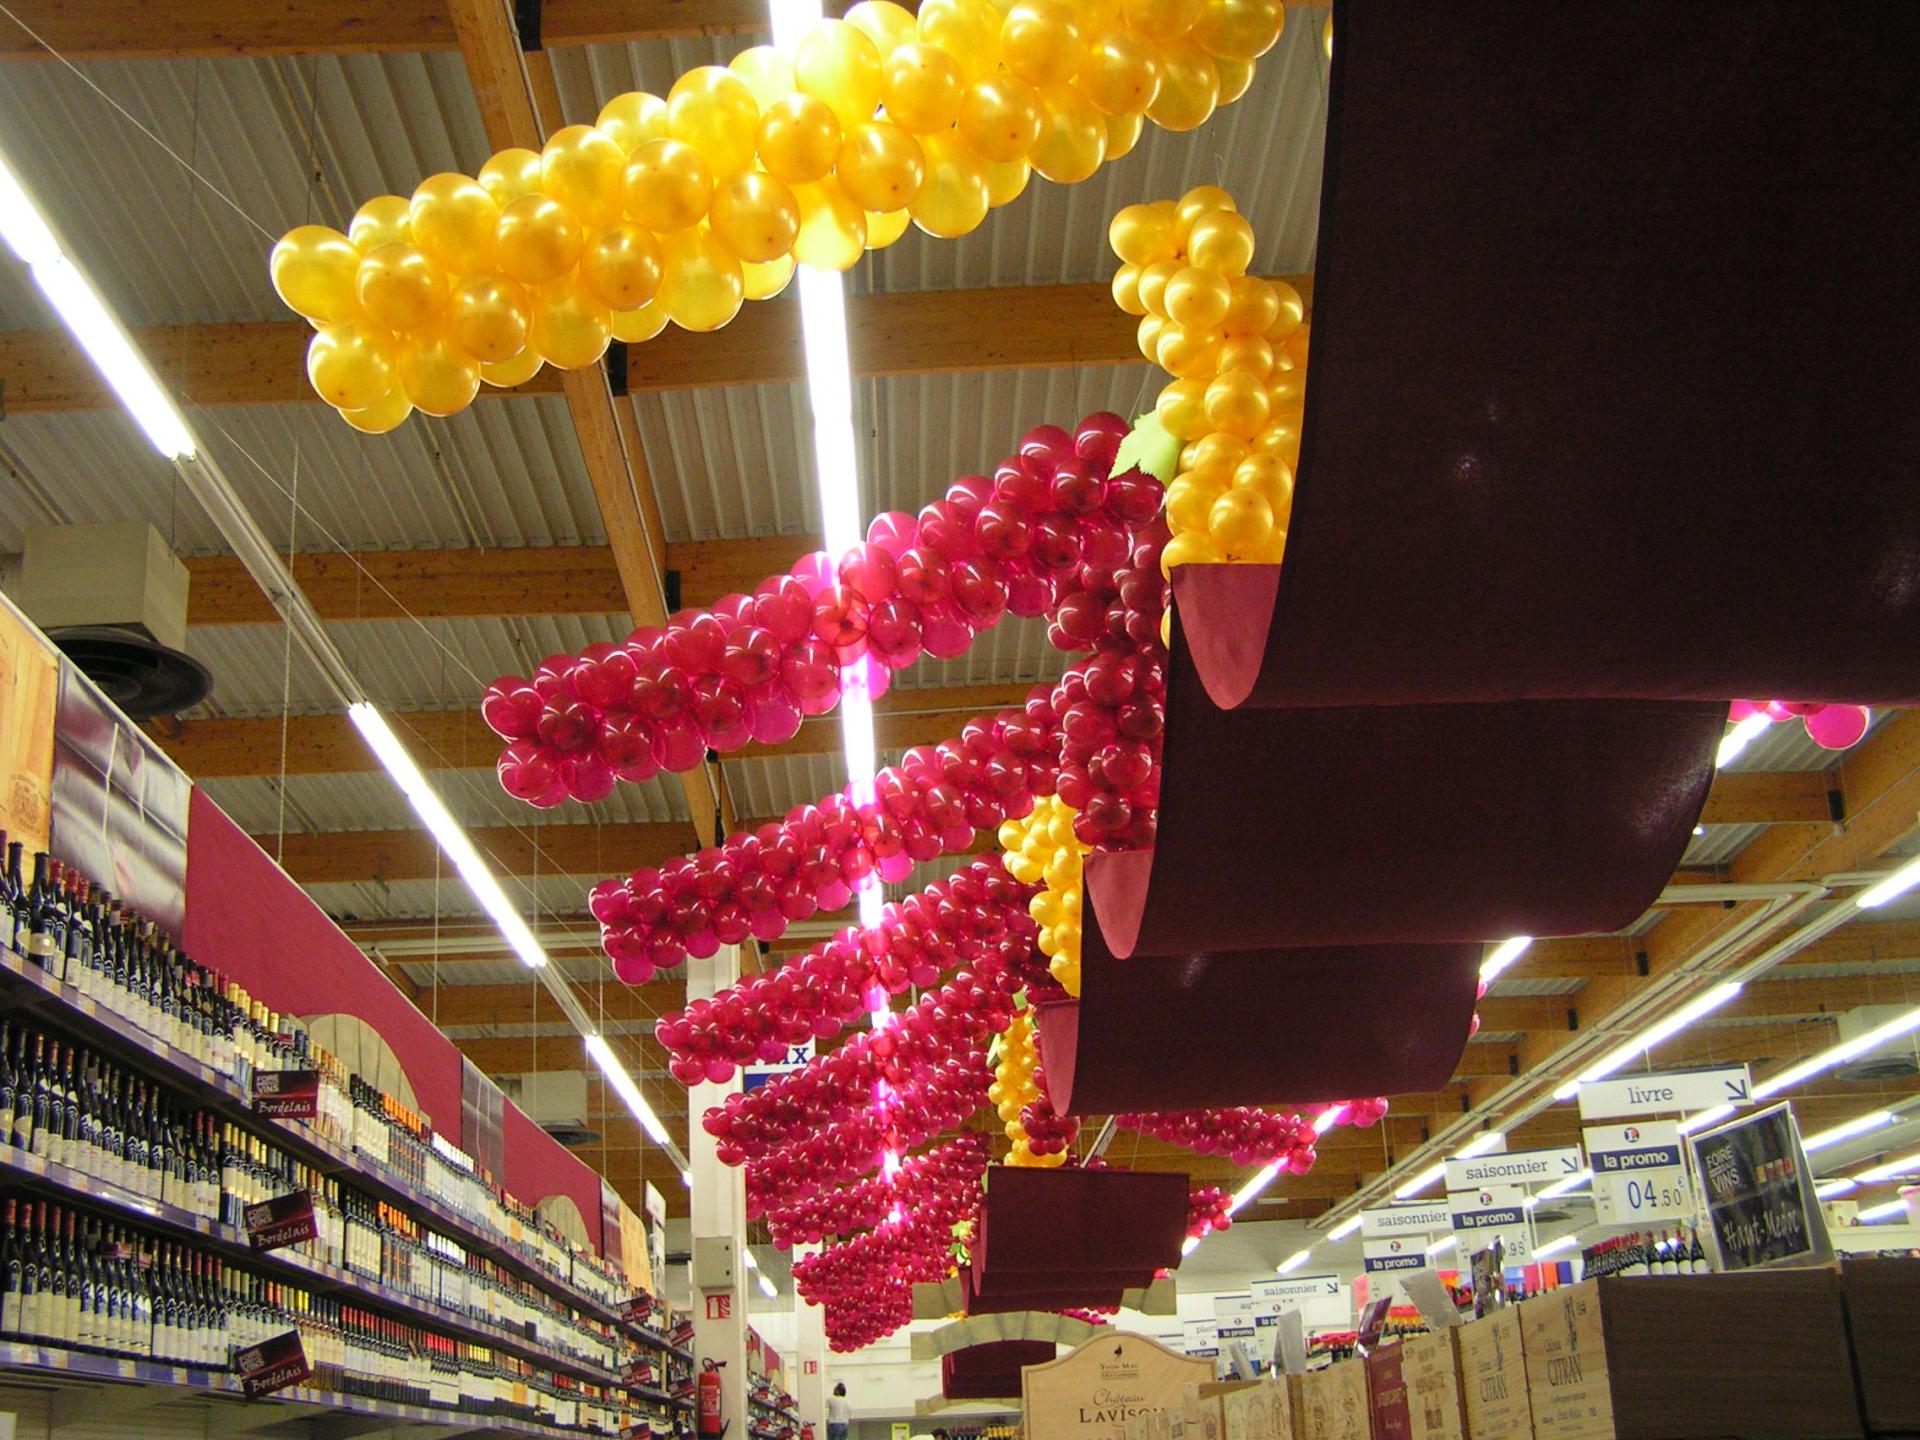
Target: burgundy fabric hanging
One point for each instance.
(1058, 1239)
(991, 1371)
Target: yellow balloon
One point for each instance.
(506, 374)
(437, 375)
(836, 64)
(622, 267)
(490, 318)
(1251, 354)
(1215, 454)
(453, 220)
(1267, 475)
(756, 217)
(383, 220)
(632, 119)
(1239, 29)
(968, 30)
(713, 110)
(400, 287)
(1126, 290)
(571, 327)
(702, 287)
(1255, 308)
(1189, 88)
(954, 199)
(1197, 202)
(386, 413)
(1287, 389)
(668, 185)
(833, 230)
(509, 174)
(1142, 235)
(1235, 77)
(1042, 42)
(880, 167)
(764, 281)
(1073, 136)
(1221, 241)
(1006, 179)
(582, 168)
(1162, 19)
(1182, 409)
(799, 139)
(1189, 547)
(315, 270)
(1147, 335)
(1123, 133)
(921, 87)
(1241, 523)
(1000, 119)
(1197, 298)
(634, 327)
(889, 26)
(1326, 36)
(1188, 503)
(538, 240)
(1289, 322)
(883, 230)
(350, 364)
(768, 73)
(1154, 279)
(1120, 72)
(1237, 403)
(1189, 354)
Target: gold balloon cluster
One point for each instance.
(1014, 1088)
(1236, 347)
(1041, 849)
(678, 209)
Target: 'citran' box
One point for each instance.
(1756, 1355)
(1493, 1378)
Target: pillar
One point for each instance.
(810, 1356)
(719, 1209)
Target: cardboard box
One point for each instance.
(1430, 1364)
(1493, 1378)
(1392, 1418)
(1333, 1403)
(1756, 1355)
(1882, 1300)
(1258, 1410)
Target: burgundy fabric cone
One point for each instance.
(1054, 1239)
(990, 1371)
(1616, 318)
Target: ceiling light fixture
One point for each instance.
(1561, 1187)
(1259, 1181)
(623, 1085)
(1874, 1214)
(1623, 1055)
(1888, 1169)
(1293, 1262)
(1555, 1247)
(1902, 1024)
(1504, 954)
(1445, 1242)
(1846, 1130)
(1480, 1144)
(1827, 1189)
(31, 237)
(1345, 1228)
(1421, 1181)
(1893, 886)
(1739, 738)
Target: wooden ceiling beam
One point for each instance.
(460, 740)
(1763, 797)
(930, 332)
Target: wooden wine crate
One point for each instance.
(1430, 1364)
(1753, 1356)
(1255, 1410)
(1882, 1300)
(1333, 1404)
(1493, 1378)
(1391, 1416)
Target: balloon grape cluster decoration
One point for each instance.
(1832, 727)
(1016, 1091)
(940, 1183)
(1236, 347)
(1041, 849)
(866, 1283)
(1246, 1135)
(1209, 1208)
(680, 208)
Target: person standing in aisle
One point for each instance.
(839, 1413)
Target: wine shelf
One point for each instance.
(30, 989)
(655, 1340)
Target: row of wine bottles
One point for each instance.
(61, 922)
(75, 1282)
(1678, 1252)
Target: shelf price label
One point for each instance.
(282, 1221)
(1638, 1173)
(272, 1365)
(286, 1094)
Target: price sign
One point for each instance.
(279, 1222)
(272, 1365)
(637, 1309)
(286, 1094)
(1638, 1173)
(1497, 1212)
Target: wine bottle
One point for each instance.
(30, 1106)
(9, 1082)
(63, 1113)
(42, 943)
(16, 896)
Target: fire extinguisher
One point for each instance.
(711, 1427)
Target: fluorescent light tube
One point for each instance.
(622, 1083)
(1739, 738)
(686, 1179)
(1189, 1245)
(1328, 1118)
(1886, 1170)
(1846, 1130)
(1445, 1242)
(1565, 1187)
(1701, 1119)
(1481, 1144)
(22, 225)
(1622, 1055)
(767, 1288)
(113, 355)
(1554, 1247)
(1259, 1181)
(1421, 1181)
(1293, 1262)
(452, 838)
(1873, 1214)
(1345, 1228)
(1839, 1054)
(1504, 954)
(1827, 1189)
(1896, 884)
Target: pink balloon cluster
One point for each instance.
(977, 916)
(1832, 727)
(1207, 1211)
(942, 1181)
(865, 1284)
(1246, 1135)
(943, 1024)
(931, 803)
(1048, 1131)
(751, 667)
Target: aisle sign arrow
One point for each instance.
(1667, 1093)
